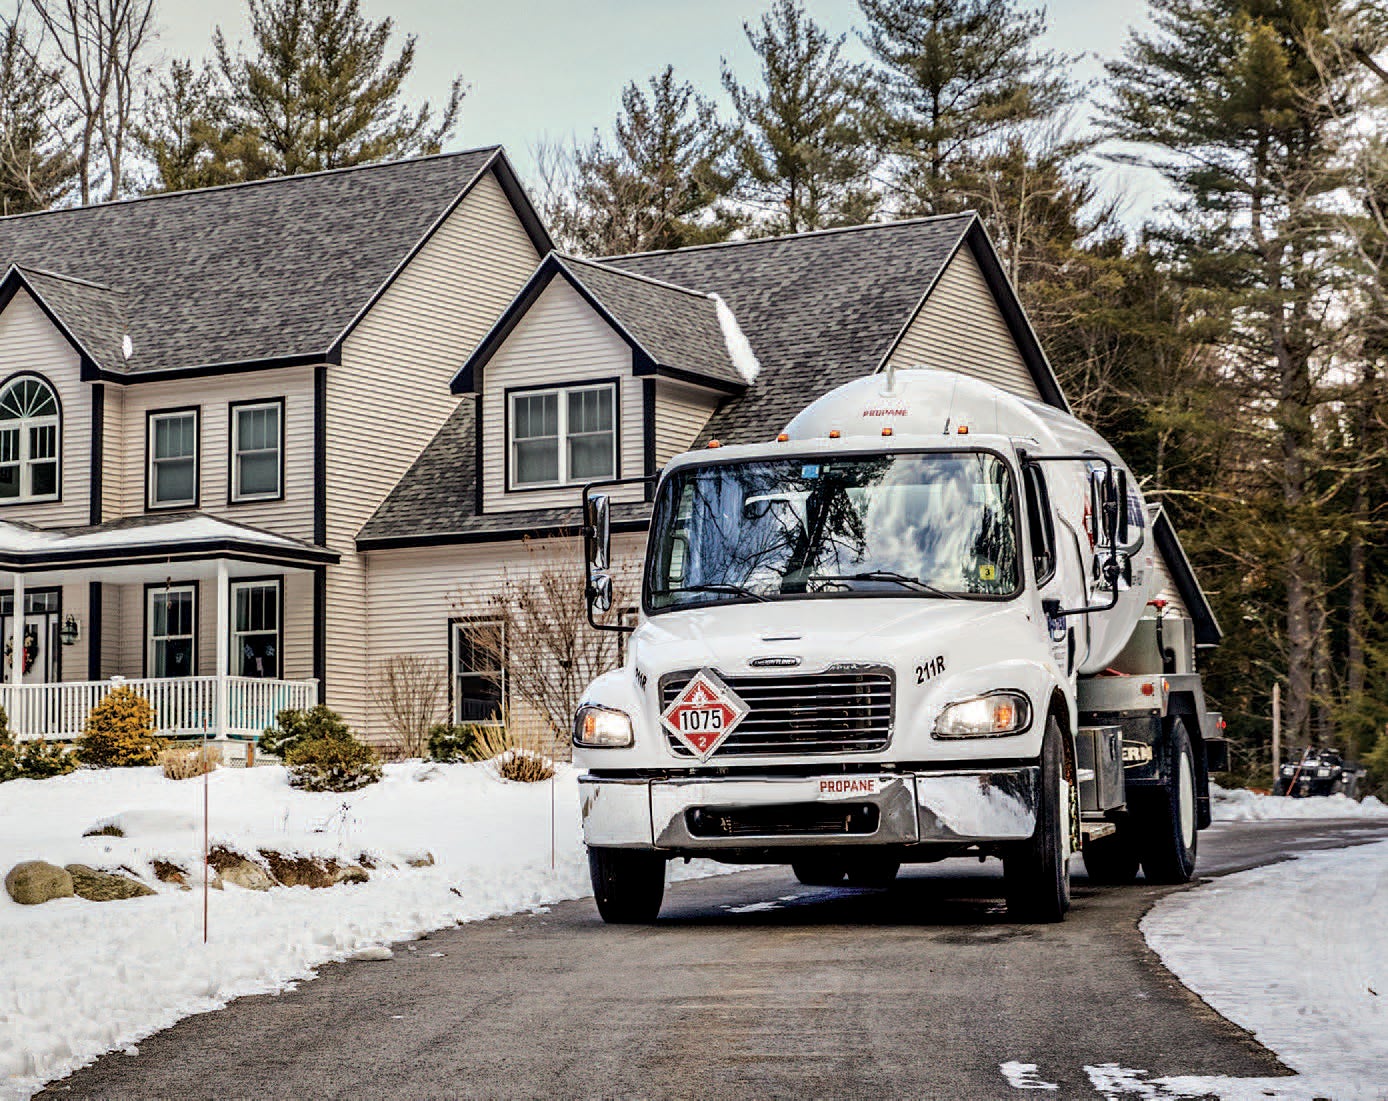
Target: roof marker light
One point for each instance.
(963, 429)
(834, 433)
(783, 437)
(887, 431)
(713, 443)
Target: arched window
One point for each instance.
(30, 425)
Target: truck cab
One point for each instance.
(864, 643)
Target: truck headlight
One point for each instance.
(598, 727)
(985, 716)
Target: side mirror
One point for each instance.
(597, 532)
(599, 593)
(1122, 508)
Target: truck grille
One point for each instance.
(845, 709)
(791, 820)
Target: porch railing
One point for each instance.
(183, 706)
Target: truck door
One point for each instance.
(1059, 570)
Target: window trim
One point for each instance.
(511, 392)
(234, 495)
(151, 415)
(455, 624)
(47, 499)
(147, 643)
(278, 580)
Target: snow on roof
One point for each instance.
(187, 531)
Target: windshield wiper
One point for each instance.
(712, 587)
(914, 583)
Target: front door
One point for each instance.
(42, 646)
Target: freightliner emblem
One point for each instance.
(774, 663)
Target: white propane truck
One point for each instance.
(916, 625)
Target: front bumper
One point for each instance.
(691, 814)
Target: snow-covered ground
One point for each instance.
(80, 978)
(1297, 953)
(1240, 805)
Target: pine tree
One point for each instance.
(1230, 92)
(322, 91)
(802, 146)
(951, 78)
(186, 132)
(658, 184)
(38, 162)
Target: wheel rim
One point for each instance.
(1186, 794)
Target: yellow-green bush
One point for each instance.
(34, 759)
(119, 732)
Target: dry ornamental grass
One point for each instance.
(512, 755)
(185, 762)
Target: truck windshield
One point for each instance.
(913, 525)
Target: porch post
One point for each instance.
(223, 647)
(17, 632)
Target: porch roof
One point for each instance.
(140, 540)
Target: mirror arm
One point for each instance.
(589, 533)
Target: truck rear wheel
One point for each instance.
(1113, 860)
(628, 885)
(1036, 872)
(819, 873)
(1164, 819)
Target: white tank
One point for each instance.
(926, 407)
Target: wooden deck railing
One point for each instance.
(183, 706)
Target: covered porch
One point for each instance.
(217, 624)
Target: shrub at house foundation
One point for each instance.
(326, 757)
(36, 760)
(294, 726)
(453, 742)
(119, 732)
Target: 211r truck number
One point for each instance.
(930, 669)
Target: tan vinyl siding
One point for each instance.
(213, 397)
(415, 593)
(391, 393)
(560, 341)
(29, 342)
(113, 633)
(680, 415)
(960, 328)
(74, 657)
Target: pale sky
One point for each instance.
(555, 68)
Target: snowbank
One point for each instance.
(1240, 805)
(80, 978)
(1297, 953)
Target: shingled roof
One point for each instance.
(672, 330)
(276, 270)
(437, 497)
(819, 309)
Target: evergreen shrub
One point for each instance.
(119, 732)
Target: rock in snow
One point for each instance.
(36, 881)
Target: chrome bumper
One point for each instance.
(920, 808)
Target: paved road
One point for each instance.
(749, 986)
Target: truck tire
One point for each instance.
(1112, 861)
(1036, 872)
(1165, 818)
(628, 886)
(819, 873)
(873, 872)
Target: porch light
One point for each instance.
(72, 630)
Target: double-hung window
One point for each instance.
(256, 451)
(479, 672)
(564, 435)
(171, 615)
(29, 430)
(173, 459)
(255, 628)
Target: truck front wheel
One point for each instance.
(628, 886)
(1165, 817)
(1036, 872)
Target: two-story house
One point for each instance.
(608, 369)
(203, 397)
